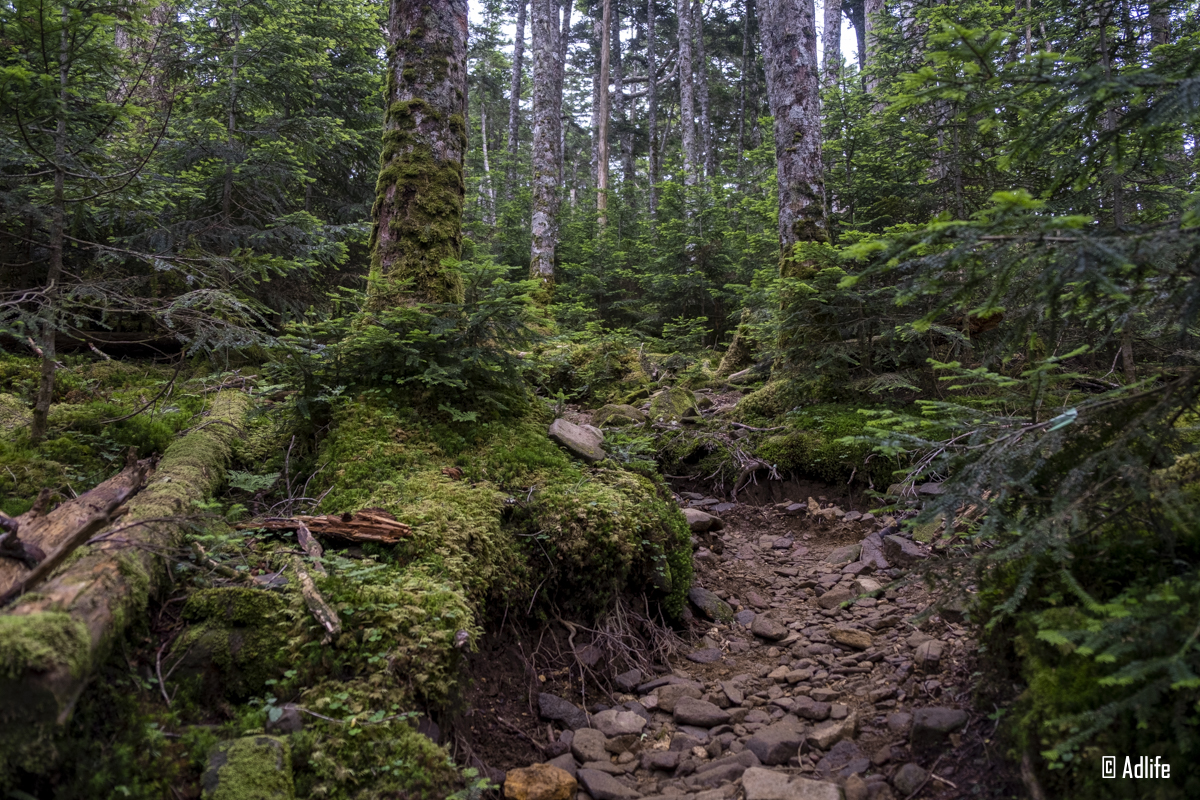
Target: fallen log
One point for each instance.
(368, 525)
(47, 531)
(52, 638)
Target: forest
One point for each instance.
(599, 399)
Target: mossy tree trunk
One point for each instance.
(52, 638)
(547, 127)
(420, 191)
(789, 45)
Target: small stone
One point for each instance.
(909, 778)
(779, 674)
(834, 597)
(290, 720)
(618, 723)
(864, 585)
(707, 655)
(557, 709)
(901, 551)
(744, 617)
(775, 744)
(539, 782)
(710, 605)
(932, 489)
(767, 628)
(699, 521)
(814, 710)
(566, 762)
(917, 639)
(602, 786)
(838, 711)
(764, 784)
(580, 441)
(843, 555)
(829, 734)
(616, 415)
(735, 695)
(588, 745)
(855, 788)
(669, 695)
(690, 711)
(931, 726)
(900, 722)
(660, 759)
(628, 681)
(859, 640)
(928, 655)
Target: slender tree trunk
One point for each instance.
(741, 137)
(621, 106)
(547, 121)
(687, 92)
(832, 61)
(231, 123)
(1110, 124)
(41, 404)
(560, 77)
(514, 98)
(789, 44)
(1160, 22)
(602, 127)
(652, 108)
(420, 191)
(486, 189)
(705, 132)
(871, 8)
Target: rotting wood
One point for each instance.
(361, 526)
(75, 616)
(312, 547)
(322, 612)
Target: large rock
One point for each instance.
(555, 708)
(588, 744)
(671, 405)
(872, 552)
(931, 726)
(765, 784)
(539, 782)
(614, 415)
(614, 722)
(249, 768)
(775, 744)
(901, 551)
(767, 628)
(602, 786)
(700, 522)
(671, 694)
(835, 597)
(702, 714)
(710, 605)
(583, 443)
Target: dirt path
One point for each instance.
(795, 697)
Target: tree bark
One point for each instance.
(486, 190)
(687, 92)
(547, 121)
(1160, 22)
(652, 108)
(514, 98)
(870, 9)
(602, 127)
(420, 191)
(832, 61)
(55, 636)
(789, 46)
(564, 42)
(705, 128)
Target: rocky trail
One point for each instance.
(812, 675)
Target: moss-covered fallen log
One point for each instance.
(51, 639)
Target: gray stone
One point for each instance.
(909, 778)
(588, 745)
(826, 736)
(602, 786)
(859, 640)
(252, 767)
(557, 709)
(745, 617)
(288, 718)
(899, 722)
(618, 723)
(932, 489)
(843, 555)
(628, 681)
(814, 710)
(582, 442)
(733, 692)
(931, 726)
(700, 522)
(834, 597)
(669, 695)
(856, 788)
(764, 784)
(775, 744)
(660, 759)
(710, 605)
(872, 552)
(690, 711)
(565, 762)
(767, 628)
(707, 655)
(901, 551)
(613, 415)
(726, 772)
(928, 655)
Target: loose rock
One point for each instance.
(581, 442)
(539, 782)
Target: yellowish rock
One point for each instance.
(539, 782)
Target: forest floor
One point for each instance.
(787, 700)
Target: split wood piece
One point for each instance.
(55, 637)
(46, 532)
(363, 526)
(312, 547)
(321, 610)
(84, 532)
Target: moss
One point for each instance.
(617, 415)
(673, 404)
(40, 642)
(250, 768)
(13, 414)
(234, 605)
(773, 399)
(814, 448)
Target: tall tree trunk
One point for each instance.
(832, 61)
(789, 44)
(705, 132)
(514, 98)
(871, 8)
(486, 190)
(1160, 22)
(602, 127)
(687, 92)
(560, 77)
(854, 10)
(621, 105)
(420, 191)
(231, 124)
(652, 108)
(41, 404)
(547, 120)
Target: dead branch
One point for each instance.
(321, 610)
(369, 525)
